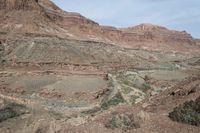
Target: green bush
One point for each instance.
(188, 113)
(145, 87)
(126, 90)
(121, 121)
(92, 111)
(133, 99)
(11, 110)
(113, 101)
(3, 33)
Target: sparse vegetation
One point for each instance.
(188, 113)
(126, 82)
(56, 115)
(145, 87)
(133, 99)
(92, 111)
(3, 33)
(113, 101)
(39, 130)
(121, 121)
(126, 90)
(11, 110)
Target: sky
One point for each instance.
(174, 14)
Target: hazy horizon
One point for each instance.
(174, 14)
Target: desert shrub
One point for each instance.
(188, 113)
(3, 33)
(92, 111)
(126, 82)
(126, 90)
(121, 121)
(113, 101)
(11, 110)
(56, 115)
(133, 99)
(39, 130)
(146, 78)
(145, 87)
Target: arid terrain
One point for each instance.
(61, 72)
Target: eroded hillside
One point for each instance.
(62, 72)
(44, 17)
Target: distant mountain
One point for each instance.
(44, 17)
(198, 41)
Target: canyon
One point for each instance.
(62, 72)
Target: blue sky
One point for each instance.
(174, 14)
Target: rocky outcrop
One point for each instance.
(62, 17)
(44, 17)
(19, 5)
(27, 16)
(150, 32)
(198, 42)
(155, 37)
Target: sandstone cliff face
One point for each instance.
(19, 5)
(27, 16)
(153, 37)
(44, 17)
(64, 18)
(153, 32)
(198, 42)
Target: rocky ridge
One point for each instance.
(44, 17)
